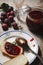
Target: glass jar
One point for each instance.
(34, 20)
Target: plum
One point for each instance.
(7, 21)
(11, 18)
(5, 27)
(15, 26)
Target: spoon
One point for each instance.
(39, 57)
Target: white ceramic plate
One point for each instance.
(11, 36)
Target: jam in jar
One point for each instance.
(34, 20)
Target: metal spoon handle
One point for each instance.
(40, 58)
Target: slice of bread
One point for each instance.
(19, 60)
(6, 53)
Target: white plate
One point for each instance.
(11, 36)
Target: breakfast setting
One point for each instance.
(21, 32)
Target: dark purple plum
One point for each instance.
(12, 13)
(11, 18)
(8, 14)
(5, 27)
(2, 19)
(7, 21)
(15, 26)
(4, 14)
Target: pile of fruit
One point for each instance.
(7, 17)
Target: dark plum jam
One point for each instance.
(36, 14)
(12, 49)
(34, 21)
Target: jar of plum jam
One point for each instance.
(34, 20)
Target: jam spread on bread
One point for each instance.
(12, 49)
